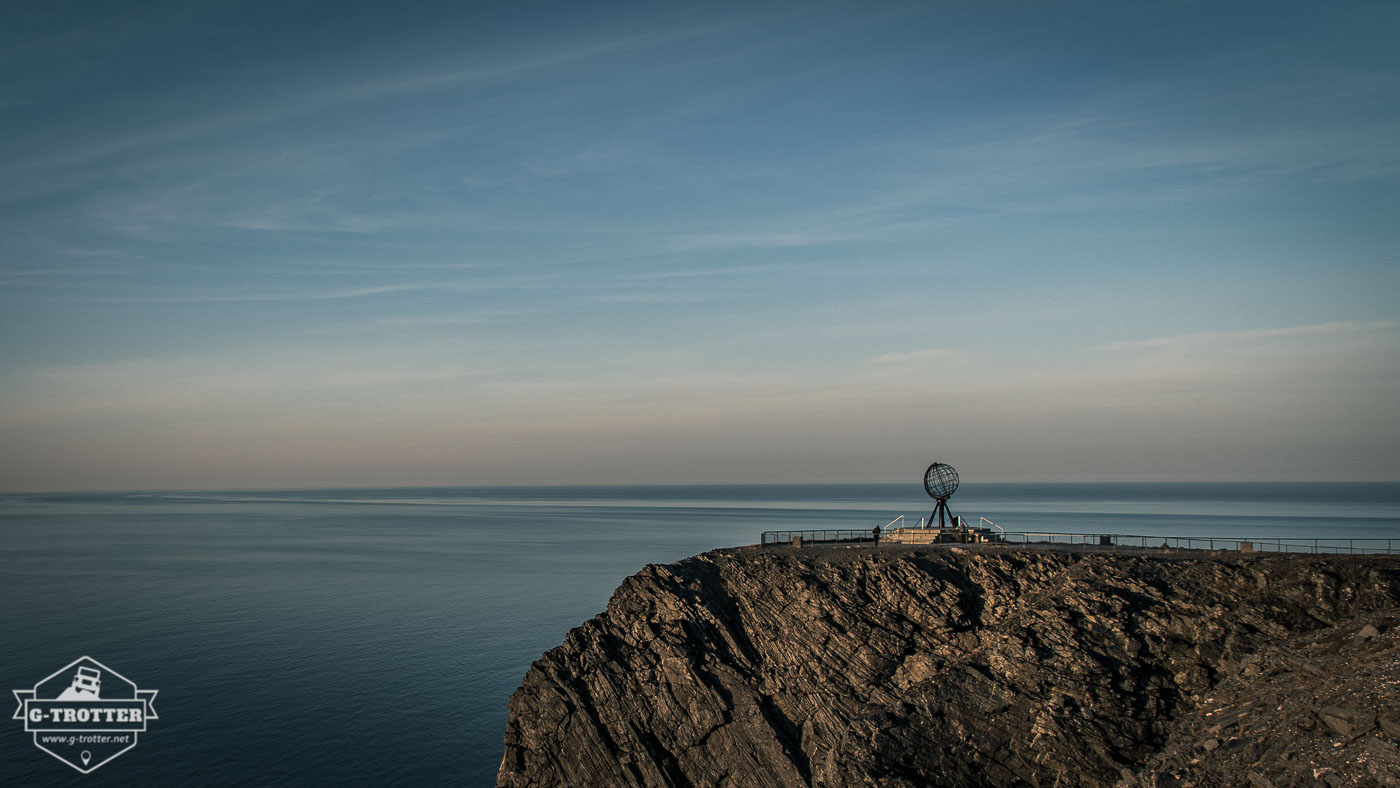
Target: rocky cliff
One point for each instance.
(901, 667)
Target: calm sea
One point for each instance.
(372, 637)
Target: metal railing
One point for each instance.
(1114, 542)
(799, 538)
(1352, 546)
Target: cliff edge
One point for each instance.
(980, 667)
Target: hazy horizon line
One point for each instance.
(587, 485)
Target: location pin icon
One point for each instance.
(87, 756)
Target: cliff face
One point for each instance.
(891, 667)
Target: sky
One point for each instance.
(333, 244)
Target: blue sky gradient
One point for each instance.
(304, 244)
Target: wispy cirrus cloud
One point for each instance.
(481, 318)
(339, 294)
(418, 74)
(1203, 338)
(922, 356)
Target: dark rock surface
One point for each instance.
(903, 667)
(1322, 709)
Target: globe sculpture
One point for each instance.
(940, 482)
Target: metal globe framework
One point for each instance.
(940, 482)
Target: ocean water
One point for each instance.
(372, 637)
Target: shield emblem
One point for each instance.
(85, 714)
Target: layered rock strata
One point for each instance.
(958, 667)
